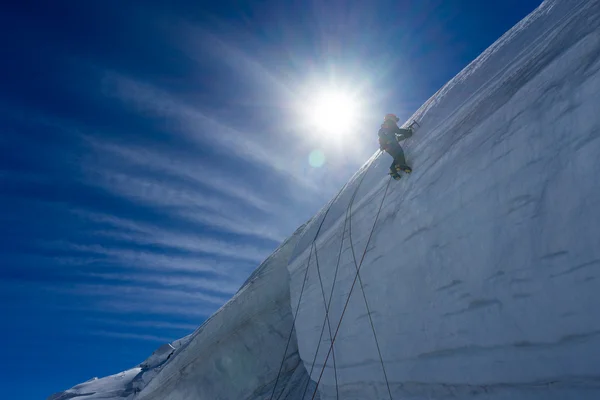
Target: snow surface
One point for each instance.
(481, 271)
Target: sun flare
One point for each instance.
(333, 112)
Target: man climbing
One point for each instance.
(389, 134)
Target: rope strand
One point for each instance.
(367, 304)
(365, 169)
(301, 294)
(352, 287)
(346, 219)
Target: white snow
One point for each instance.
(111, 387)
(481, 273)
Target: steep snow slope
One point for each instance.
(480, 270)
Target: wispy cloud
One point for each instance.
(133, 336)
(198, 42)
(230, 213)
(203, 130)
(139, 259)
(142, 233)
(265, 228)
(156, 324)
(194, 245)
(132, 302)
(202, 173)
(136, 294)
(138, 301)
(156, 192)
(225, 286)
(156, 308)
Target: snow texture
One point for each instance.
(479, 276)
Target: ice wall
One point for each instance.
(482, 271)
(231, 356)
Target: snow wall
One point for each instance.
(479, 274)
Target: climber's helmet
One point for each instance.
(391, 117)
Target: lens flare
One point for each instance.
(316, 158)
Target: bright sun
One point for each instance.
(333, 112)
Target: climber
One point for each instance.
(389, 134)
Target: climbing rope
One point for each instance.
(302, 292)
(366, 169)
(351, 290)
(328, 304)
(365, 296)
(296, 312)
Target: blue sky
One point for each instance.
(153, 153)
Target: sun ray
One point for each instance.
(333, 112)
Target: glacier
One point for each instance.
(477, 276)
